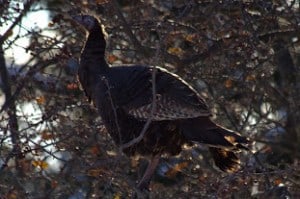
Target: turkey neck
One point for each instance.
(92, 61)
(93, 54)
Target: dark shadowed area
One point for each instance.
(242, 57)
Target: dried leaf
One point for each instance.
(25, 165)
(45, 135)
(134, 162)
(101, 1)
(277, 181)
(175, 51)
(177, 168)
(51, 24)
(95, 150)
(112, 58)
(250, 77)
(11, 195)
(228, 83)
(40, 100)
(40, 164)
(117, 196)
(95, 172)
(9, 33)
(191, 38)
(72, 86)
(54, 184)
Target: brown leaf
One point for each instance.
(40, 100)
(40, 164)
(175, 51)
(95, 150)
(12, 195)
(172, 172)
(25, 165)
(101, 1)
(72, 86)
(134, 162)
(54, 184)
(277, 181)
(45, 135)
(51, 24)
(228, 83)
(112, 58)
(117, 196)
(250, 77)
(96, 172)
(191, 38)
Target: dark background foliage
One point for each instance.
(242, 56)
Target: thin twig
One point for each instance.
(266, 176)
(33, 70)
(16, 21)
(153, 109)
(113, 107)
(127, 29)
(12, 112)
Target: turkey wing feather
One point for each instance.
(175, 99)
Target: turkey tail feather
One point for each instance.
(226, 160)
(203, 130)
(222, 142)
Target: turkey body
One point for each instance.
(125, 96)
(125, 104)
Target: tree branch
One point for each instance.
(16, 21)
(128, 30)
(153, 108)
(29, 75)
(13, 122)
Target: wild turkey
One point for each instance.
(124, 94)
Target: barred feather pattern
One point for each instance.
(166, 109)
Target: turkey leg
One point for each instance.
(144, 183)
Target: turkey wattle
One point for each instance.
(124, 94)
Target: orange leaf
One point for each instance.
(191, 38)
(177, 168)
(95, 172)
(35, 163)
(228, 83)
(250, 78)
(44, 165)
(94, 150)
(25, 165)
(11, 195)
(101, 1)
(54, 184)
(40, 164)
(175, 51)
(40, 100)
(277, 181)
(72, 86)
(112, 58)
(117, 196)
(47, 135)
